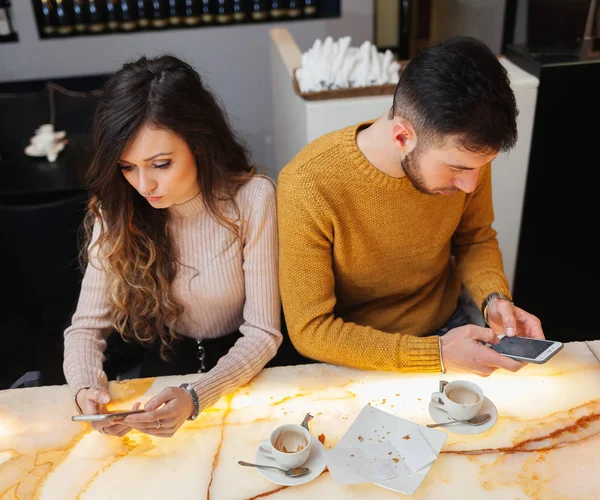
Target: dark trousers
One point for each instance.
(183, 359)
(458, 318)
(145, 361)
(132, 360)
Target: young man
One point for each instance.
(381, 224)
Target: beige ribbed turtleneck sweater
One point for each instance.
(221, 292)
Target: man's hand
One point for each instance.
(462, 350)
(503, 317)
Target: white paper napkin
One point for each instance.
(385, 460)
(415, 450)
(370, 463)
(380, 448)
(335, 65)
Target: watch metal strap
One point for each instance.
(189, 388)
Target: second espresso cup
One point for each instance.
(289, 445)
(461, 399)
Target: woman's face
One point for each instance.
(161, 167)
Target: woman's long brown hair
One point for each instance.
(132, 242)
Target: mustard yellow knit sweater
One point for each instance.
(369, 266)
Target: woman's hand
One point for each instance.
(93, 402)
(164, 413)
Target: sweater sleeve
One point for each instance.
(308, 293)
(261, 335)
(475, 246)
(85, 339)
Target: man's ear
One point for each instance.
(403, 135)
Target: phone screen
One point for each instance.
(522, 347)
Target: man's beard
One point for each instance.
(411, 169)
(410, 165)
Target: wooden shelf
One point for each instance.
(170, 27)
(327, 10)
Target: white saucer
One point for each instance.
(315, 462)
(440, 416)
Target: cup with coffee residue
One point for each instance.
(290, 441)
(289, 445)
(461, 399)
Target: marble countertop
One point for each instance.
(544, 445)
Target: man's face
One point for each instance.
(444, 169)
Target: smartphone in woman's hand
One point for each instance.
(102, 417)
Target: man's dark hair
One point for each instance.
(458, 87)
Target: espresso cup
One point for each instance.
(462, 400)
(289, 445)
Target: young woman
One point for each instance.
(181, 244)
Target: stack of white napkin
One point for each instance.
(335, 65)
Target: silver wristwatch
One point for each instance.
(488, 300)
(189, 388)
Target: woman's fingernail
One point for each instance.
(510, 332)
